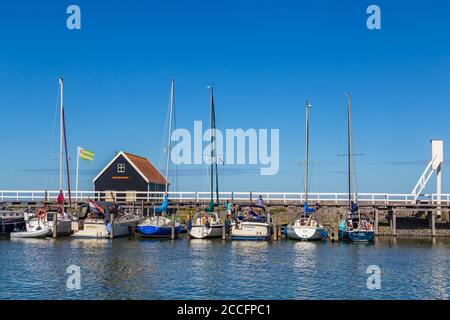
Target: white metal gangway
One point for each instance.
(204, 197)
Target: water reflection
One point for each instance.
(216, 269)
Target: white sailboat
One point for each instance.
(208, 224)
(158, 225)
(306, 227)
(356, 227)
(45, 223)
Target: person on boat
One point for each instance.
(252, 214)
(189, 223)
(349, 224)
(260, 201)
(228, 206)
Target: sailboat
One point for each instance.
(356, 227)
(207, 224)
(47, 223)
(306, 227)
(158, 225)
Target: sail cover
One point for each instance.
(163, 206)
(211, 207)
(307, 209)
(354, 207)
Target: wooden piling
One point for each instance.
(172, 233)
(55, 224)
(111, 226)
(275, 233)
(394, 225)
(376, 221)
(433, 224)
(224, 235)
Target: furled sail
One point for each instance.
(307, 209)
(164, 205)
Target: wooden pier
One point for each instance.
(392, 214)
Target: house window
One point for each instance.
(121, 167)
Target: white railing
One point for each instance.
(204, 197)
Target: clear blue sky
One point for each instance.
(265, 58)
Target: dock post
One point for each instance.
(433, 224)
(55, 224)
(224, 235)
(111, 227)
(376, 221)
(275, 233)
(394, 225)
(172, 231)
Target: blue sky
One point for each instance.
(265, 58)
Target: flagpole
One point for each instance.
(76, 178)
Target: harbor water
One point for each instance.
(214, 269)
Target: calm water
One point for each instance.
(196, 269)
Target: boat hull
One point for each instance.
(203, 232)
(41, 233)
(304, 233)
(158, 231)
(97, 229)
(11, 225)
(357, 235)
(64, 226)
(255, 231)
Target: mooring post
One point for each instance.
(376, 221)
(275, 233)
(394, 225)
(433, 224)
(224, 235)
(172, 233)
(111, 226)
(55, 223)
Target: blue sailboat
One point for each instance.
(158, 225)
(356, 227)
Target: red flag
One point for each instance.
(60, 198)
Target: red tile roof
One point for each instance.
(147, 169)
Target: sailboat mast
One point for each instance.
(61, 121)
(307, 151)
(349, 141)
(211, 88)
(215, 154)
(172, 102)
